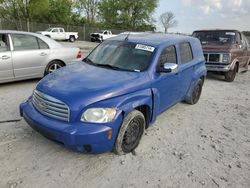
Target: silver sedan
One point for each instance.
(25, 55)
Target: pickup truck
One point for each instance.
(105, 102)
(58, 33)
(226, 51)
(101, 36)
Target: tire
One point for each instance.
(230, 75)
(130, 133)
(196, 92)
(53, 66)
(72, 39)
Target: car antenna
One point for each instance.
(127, 36)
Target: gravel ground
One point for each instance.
(205, 145)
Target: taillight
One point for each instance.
(79, 55)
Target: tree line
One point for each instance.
(119, 14)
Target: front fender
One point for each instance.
(126, 103)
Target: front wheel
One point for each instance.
(53, 66)
(230, 75)
(130, 133)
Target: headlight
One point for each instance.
(225, 58)
(99, 115)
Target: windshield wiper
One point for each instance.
(89, 61)
(111, 67)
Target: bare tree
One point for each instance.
(89, 8)
(168, 20)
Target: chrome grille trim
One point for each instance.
(50, 106)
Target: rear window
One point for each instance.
(186, 52)
(24, 42)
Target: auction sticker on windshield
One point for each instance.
(230, 33)
(144, 47)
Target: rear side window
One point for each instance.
(168, 55)
(24, 42)
(3, 43)
(186, 52)
(42, 44)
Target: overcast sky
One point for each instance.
(206, 14)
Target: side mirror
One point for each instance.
(168, 68)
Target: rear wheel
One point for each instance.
(130, 133)
(53, 66)
(230, 75)
(196, 92)
(72, 39)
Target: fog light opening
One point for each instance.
(87, 148)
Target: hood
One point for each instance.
(217, 48)
(80, 84)
(95, 33)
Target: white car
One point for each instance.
(25, 55)
(58, 33)
(101, 36)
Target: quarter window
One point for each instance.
(42, 44)
(24, 42)
(186, 52)
(3, 43)
(168, 56)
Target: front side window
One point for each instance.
(186, 52)
(24, 42)
(55, 30)
(121, 55)
(61, 30)
(168, 55)
(3, 43)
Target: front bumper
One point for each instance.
(78, 136)
(216, 67)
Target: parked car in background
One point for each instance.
(58, 33)
(26, 55)
(101, 36)
(226, 51)
(105, 102)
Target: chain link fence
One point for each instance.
(83, 31)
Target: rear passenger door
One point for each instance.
(186, 67)
(6, 69)
(30, 55)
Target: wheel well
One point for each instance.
(51, 62)
(72, 36)
(237, 64)
(203, 79)
(57, 60)
(145, 110)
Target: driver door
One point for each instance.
(167, 83)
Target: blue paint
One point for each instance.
(82, 86)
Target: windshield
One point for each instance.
(49, 29)
(121, 55)
(221, 37)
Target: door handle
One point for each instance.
(4, 57)
(43, 54)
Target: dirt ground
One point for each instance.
(205, 145)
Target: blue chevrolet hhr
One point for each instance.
(106, 101)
